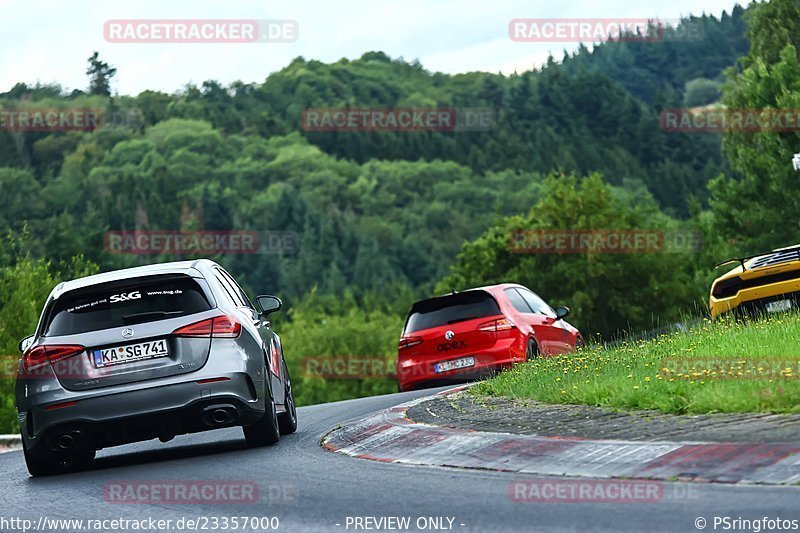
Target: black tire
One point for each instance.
(84, 459)
(532, 350)
(287, 422)
(264, 432)
(38, 467)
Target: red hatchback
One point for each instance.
(470, 334)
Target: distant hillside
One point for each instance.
(370, 208)
(658, 71)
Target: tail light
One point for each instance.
(219, 327)
(44, 354)
(60, 405)
(501, 324)
(408, 342)
(211, 380)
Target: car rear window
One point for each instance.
(122, 304)
(450, 309)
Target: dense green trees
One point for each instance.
(364, 330)
(608, 292)
(357, 225)
(653, 69)
(23, 289)
(382, 218)
(701, 91)
(758, 206)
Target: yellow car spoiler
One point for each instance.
(741, 260)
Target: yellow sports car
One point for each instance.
(765, 283)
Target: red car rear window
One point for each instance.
(450, 309)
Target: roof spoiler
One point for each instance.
(741, 260)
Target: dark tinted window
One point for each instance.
(239, 290)
(517, 301)
(229, 289)
(122, 304)
(451, 309)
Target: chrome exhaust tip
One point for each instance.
(65, 442)
(220, 416)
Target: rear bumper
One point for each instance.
(418, 372)
(112, 419)
(754, 301)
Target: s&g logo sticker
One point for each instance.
(124, 297)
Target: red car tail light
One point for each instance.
(408, 342)
(44, 354)
(219, 327)
(501, 324)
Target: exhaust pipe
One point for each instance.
(220, 416)
(71, 440)
(65, 441)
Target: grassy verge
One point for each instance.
(716, 367)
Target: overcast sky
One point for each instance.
(49, 40)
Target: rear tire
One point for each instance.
(38, 467)
(532, 350)
(264, 432)
(287, 422)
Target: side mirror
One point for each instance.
(25, 343)
(561, 311)
(268, 304)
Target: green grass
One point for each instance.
(716, 367)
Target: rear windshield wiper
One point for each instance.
(149, 314)
(462, 319)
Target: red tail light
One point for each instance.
(408, 342)
(60, 405)
(220, 327)
(211, 380)
(501, 324)
(44, 354)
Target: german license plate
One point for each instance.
(455, 364)
(120, 355)
(779, 306)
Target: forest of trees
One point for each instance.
(383, 218)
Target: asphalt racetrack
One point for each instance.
(310, 489)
